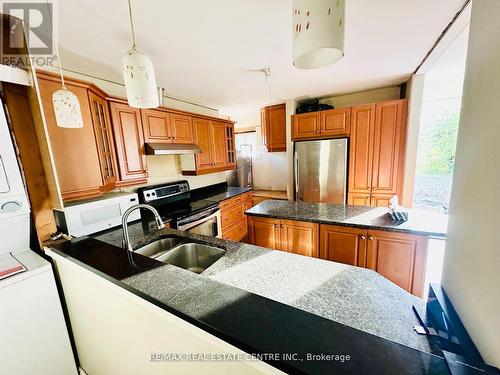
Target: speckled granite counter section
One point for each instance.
(357, 297)
(219, 192)
(422, 222)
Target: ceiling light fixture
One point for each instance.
(318, 32)
(139, 75)
(66, 104)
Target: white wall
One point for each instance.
(270, 170)
(471, 275)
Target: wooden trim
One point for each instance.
(55, 77)
(20, 112)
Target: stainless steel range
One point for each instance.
(174, 203)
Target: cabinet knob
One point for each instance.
(276, 225)
(282, 226)
(363, 237)
(370, 238)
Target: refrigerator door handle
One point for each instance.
(296, 168)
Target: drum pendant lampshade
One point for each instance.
(318, 32)
(139, 75)
(139, 79)
(67, 109)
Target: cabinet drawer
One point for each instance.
(224, 205)
(232, 215)
(237, 232)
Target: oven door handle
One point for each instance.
(199, 218)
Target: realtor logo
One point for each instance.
(37, 20)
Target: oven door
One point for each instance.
(206, 223)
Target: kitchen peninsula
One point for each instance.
(357, 235)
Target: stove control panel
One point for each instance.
(166, 191)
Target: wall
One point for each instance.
(269, 168)
(414, 93)
(161, 168)
(364, 97)
(471, 274)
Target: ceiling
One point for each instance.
(209, 52)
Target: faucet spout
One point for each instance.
(126, 214)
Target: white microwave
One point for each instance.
(89, 217)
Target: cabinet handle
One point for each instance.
(363, 237)
(370, 238)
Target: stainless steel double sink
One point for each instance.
(192, 256)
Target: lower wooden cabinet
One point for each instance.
(343, 244)
(297, 237)
(234, 222)
(400, 257)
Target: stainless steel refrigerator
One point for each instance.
(320, 169)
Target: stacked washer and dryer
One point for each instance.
(33, 334)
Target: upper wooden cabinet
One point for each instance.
(84, 158)
(273, 124)
(161, 126)
(297, 237)
(325, 124)
(216, 141)
(376, 158)
(343, 244)
(129, 140)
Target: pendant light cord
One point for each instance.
(59, 64)
(131, 24)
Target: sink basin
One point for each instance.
(159, 247)
(192, 256)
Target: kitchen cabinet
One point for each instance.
(399, 257)
(273, 126)
(376, 157)
(343, 244)
(234, 222)
(162, 126)
(129, 142)
(293, 236)
(83, 158)
(324, 124)
(216, 141)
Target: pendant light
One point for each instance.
(66, 104)
(318, 28)
(139, 75)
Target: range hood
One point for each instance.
(171, 149)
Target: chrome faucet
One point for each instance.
(126, 236)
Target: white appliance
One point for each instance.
(88, 217)
(34, 337)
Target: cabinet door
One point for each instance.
(380, 200)
(306, 126)
(335, 122)
(218, 133)
(388, 148)
(203, 138)
(361, 149)
(264, 232)
(343, 244)
(156, 126)
(299, 237)
(129, 141)
(230, 145)
(104, 137)
(181, 128)
(399, 257)
(358, 199)
(276, 125)
(75, 152)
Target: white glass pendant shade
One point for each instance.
(67, 109)
(318, 32)
(139, 79)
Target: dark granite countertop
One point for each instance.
(218, 193)
(422, 222)
(270, 301)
